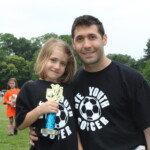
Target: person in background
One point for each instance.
(55, 64)
(10, 100)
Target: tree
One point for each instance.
(125, 59)
(32, 63)
(8, 43)
(67, 39)
(140, 64)
(147, 51)
(42, 39)
(2, 55)
(14, 66)
(25, 48)
(21, 47)
(146, 71)
(6, 71)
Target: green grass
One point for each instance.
(16, 142)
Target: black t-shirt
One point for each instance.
(112, 108)
(33, 94)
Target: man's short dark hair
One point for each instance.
(87, 20)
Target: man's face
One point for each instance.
(89, 44)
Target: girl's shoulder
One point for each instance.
(7, 92)
(30, 84)
(17, 90)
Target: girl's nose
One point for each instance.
(57, 65)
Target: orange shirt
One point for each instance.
(10, 96)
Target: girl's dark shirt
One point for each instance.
(33, 94)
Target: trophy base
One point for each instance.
(49, 131)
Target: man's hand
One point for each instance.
(32, 135)
(147, 137)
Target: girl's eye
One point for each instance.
(53, 60)
(63, 64)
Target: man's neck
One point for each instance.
(98, 66)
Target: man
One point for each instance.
(111, 100)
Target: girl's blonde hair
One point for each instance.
(12, 79)
(45, 54)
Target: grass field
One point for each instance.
(16, 142)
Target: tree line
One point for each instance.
(18, 55)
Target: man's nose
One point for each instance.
(86, 43)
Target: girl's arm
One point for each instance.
(5, 101)
(79, 143)
(33, 115)
(9, 103)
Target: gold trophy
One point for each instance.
(54, 94)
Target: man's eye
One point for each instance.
(92, 37)
(78, 39)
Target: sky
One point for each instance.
(126, 22)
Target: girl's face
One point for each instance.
(56, 64)
(12, 84)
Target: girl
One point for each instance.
(10, 100)
(55, 64)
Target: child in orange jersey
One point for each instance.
(10, 100)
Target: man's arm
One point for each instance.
(32, 135)
(79, 142)
(147, 137)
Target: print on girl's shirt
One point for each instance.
(62, 118)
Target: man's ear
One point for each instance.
(105, 39)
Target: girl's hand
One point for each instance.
(10, 103)
(48, 107)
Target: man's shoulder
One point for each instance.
(127, 72)
(125, 68)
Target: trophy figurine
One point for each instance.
(55, 94)
(13, 100)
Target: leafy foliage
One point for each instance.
(146, 71)
(125, 59)
(2, 54)
(18, 56)
(147, 51)
(8, 43)
(33, 75)
(14, 66)
(25, 48)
